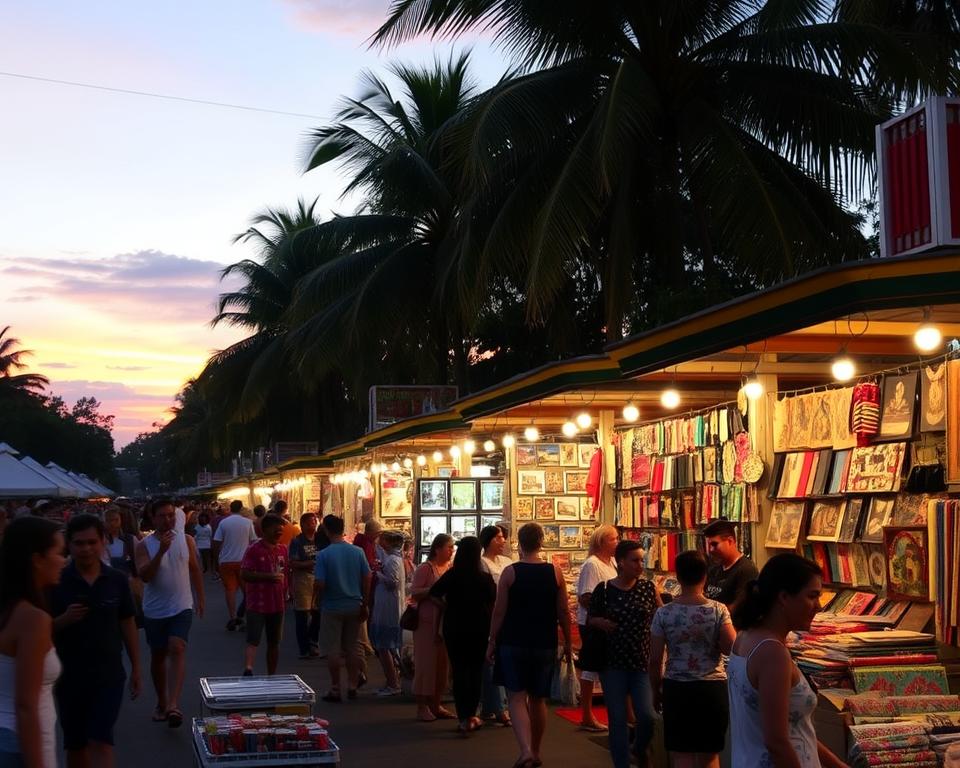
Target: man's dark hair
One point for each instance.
(84, 522)
(280, 507)
(333, 525)
(624, 548)
(691, 567)
(269, 522)
(163, 501)
(720, 528)
(235, 506)
(305, 515)
(259, 510)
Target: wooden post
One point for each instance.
(760, 418)
(605, 438)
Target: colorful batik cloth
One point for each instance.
(902, 681)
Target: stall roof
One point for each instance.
(69, 490)
(85, 483)
(18, 481)
(64, 478)
(103, 490)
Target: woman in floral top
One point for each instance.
(623, 608)
(694, 631)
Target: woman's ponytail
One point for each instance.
(786, 572)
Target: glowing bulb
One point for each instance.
(584, 420)
(753, 389)
(927, 338)
(408, 462)
(364, 474)
(454, 451)
(469, 447)
(670, 398)
(531, 434)
(375, 468)
(631, 412)
(437, 456)
(843, 369)
(508, 441)
(422, 460)
(489, 445)
(569, 429)
(395, 466)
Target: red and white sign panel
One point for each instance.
(919, 166)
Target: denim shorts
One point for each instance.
(10, 756)
(159, 631)
(526, 669)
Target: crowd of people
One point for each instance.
(73, 595)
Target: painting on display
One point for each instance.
(463, 494)
(568, 508)
(544, 509)
(551, 536)
(879, 514)
(523, 508)
(786, 520)
(491, 495)
(851, 520)
(396, 493)
(531, 482)
(587, 512)
(403, 525)
(710, 464)
(430, 526)
(953, 422)
(433, 496)
(488, 520)
(585, 452)
(569, 536)
(876, 468)
(553, 481)
(548, 454)
(526, 455)
(897, 406)
(908, 577)
(568, 455)
(877, 566)
(826, 519)
(933, 398)
(575, 482)
(463, 525)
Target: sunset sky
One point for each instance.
(117, 211)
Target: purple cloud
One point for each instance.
(340, 16)
(56, 365)
(128, 367)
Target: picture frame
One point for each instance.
(933, 398)
(434, 496)
(878, 516)
(446, 471)
(402, 524)
(786, 522)
(531, 482)
(488, 520)
(523, 509)
(876, 468)
(567, 508)
(553, 481)
(568, 455)
(548, 455)
(851, 520)
(826, 520)
(430, 526)
(463, 525)
(463, 495)
(587, 511)
(396, 493)
(526, 455)
(585, 452)
(569, 537)
(575, 482)
(491, 495)
(551, 536)
(898, 406)
(544, 508)
(907, 572)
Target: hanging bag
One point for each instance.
(410, 618)
(593, 648)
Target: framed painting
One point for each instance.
(851, 520)
(553, 481)
(526, 455)
(587, 512)
(953, 423)
(531, 482)
(544, 509)
(488, 520)
(786, 521)
(826, 519)
(548, 454)
(430, 526)
(434, 496)
(396, 501)
(463, 525)
(585, 453)
(491, 495)
(551, 536)
(463, 494)
(575, 482)
(446, 471)
(908, 577)
(568, 508)
(568, 455)
(404, 525)
(877, 567)
(523, 509)
(569, 537)
(878, 516)
(898, 406)
(876, 468)
(933, 398)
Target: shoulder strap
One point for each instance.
(765, 640)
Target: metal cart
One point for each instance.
(205, 759)
(255, 694)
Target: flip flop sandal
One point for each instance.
(174, 718)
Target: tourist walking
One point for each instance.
(730, 570)
(203, 537)
(429, 653)
(302, 555)
(168, 564)
(771, 703)
(391, 595)
(94, 611)
(694, 632)
(623, 609)
(342, 589)
(531, 602)
(493, 698)
(31, 559)
(120, 548)
(230, 541)
(264, 574)
(596, 569)
(467, 593)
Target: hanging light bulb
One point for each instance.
(489, 445)
(422, 460)
(364, 474)
(469, 447)
(843, 368)
(531, 434)
(508, 441)
(569, 429)
(454, 452)
(584, 420)
(927, 337)
(408, 462)
(670, 398)
(395, 466)
(631, 412)
(438, 456)
(753, 389)
(375, 468)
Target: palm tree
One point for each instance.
(683, 148)
(11, 360)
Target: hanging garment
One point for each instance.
(595, 479)
(865, 411)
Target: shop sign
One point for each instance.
(918, 155)
(285, 451)
(392, 404)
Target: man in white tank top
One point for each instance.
(167, 562)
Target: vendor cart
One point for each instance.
(256, 694)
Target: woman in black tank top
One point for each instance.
(531, 602)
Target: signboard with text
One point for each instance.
(389, 405)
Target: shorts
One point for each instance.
(708, 698)
(230, 574)
(525, 669)
(88, 710)
(257, 622)
(159, 631)
(339, 632)
(10, 756)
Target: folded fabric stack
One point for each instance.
(891, 745)
(866, 708)
(902, 680)
(945, 741)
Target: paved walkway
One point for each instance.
(370, 731)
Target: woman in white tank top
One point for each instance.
(771, 704)
(31, 559)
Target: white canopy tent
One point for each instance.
(18, 481)
(67, 489)
(89, 489)
(104, 491)
(82, 492)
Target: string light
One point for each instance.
(489, 445)
(631, 412)
(454, 452)
(753, 388)
(927, 338)
(843, 368)
(408, 462)
(531, 434)
(469, 447)
(422, 460)
(508, 441)
(569, 429)
(437, 456)
(584, 420)
(670, 398)
(395, 466)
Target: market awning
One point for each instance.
(64, 479)
(18, 481)
(67, 489)
(103, 490)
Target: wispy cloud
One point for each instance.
(57, 365)
(352, 17)
(128, 367)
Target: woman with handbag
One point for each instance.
(598, 568)
(694, 631)
(623, 608)
(429, 653)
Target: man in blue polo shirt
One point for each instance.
(94, 619)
